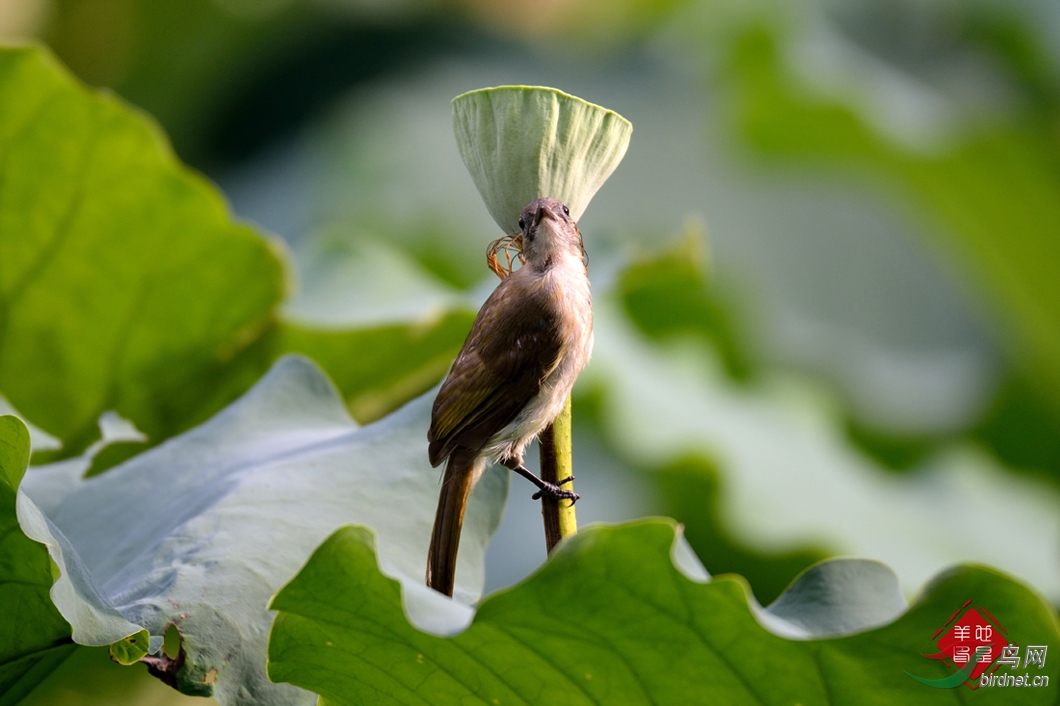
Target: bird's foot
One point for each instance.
(546, 489)
(554, 491)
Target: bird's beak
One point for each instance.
(541, 212)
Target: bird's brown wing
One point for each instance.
(514, 343)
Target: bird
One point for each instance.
(527, 345)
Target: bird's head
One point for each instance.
(548, 232)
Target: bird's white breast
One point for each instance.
(568, 286)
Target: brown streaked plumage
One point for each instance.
(510, 380)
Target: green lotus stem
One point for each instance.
(556, 464)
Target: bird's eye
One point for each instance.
(522, 224)
(566, 210)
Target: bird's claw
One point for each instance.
(553, 490)
(546, 489)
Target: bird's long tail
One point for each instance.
(461, 472)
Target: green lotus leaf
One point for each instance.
(131, 649)
(121, 271)
(124, 276)
(523, 142)
(611, 619)
(34, 638)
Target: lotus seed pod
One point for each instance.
(523, 142)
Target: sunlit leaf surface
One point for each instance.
(129, 280)
(128, 275)
(611, 620)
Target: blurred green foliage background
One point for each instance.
(828, 300)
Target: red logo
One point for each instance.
(975, 646)
(974, 637)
